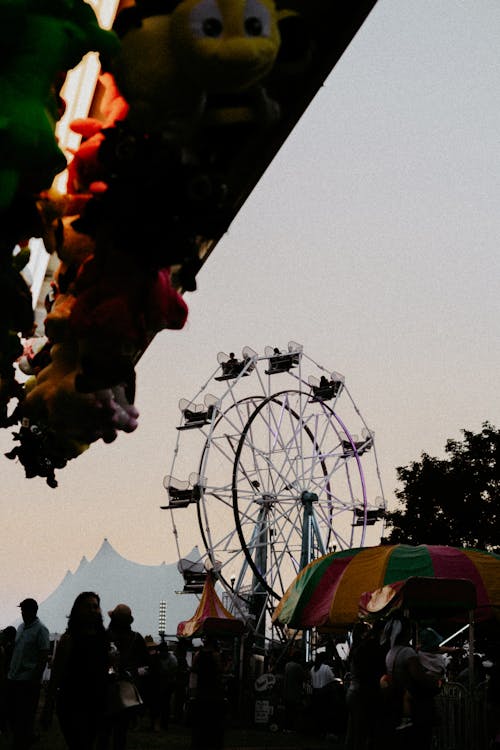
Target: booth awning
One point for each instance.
(421, 597)
(211, 617)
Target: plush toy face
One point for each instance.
(170, 62)
(228, 45)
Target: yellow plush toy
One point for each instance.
(169, 63)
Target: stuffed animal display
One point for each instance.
(182, 93)
(170, 63)
(39, 42)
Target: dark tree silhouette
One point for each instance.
(454, 500)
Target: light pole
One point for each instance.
(162, 620)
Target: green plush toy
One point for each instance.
(40, 40)
(170, 62)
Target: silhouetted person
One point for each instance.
(293, 691)
(131, 661)
(79, 675)
(208, 711)
(7, 641)
(322, 678)
(493, 702)
(160, 683)
(367, 665)
(28, 661)
(407, 674)
(181, 683)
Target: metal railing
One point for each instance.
(461, 718)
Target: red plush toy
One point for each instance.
(85, 173)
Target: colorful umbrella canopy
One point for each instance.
(211, 617)
(326, 593)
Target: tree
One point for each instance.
(454, 500)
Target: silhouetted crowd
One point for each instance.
(96, 680)
(389, 692)
(102, 681)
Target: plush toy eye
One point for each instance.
(206, 19)
(212, 27)
(257, 19)
(253, 26)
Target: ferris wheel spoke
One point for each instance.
(315, 457)
(243, 410)
(268, 468)
(272, 424)
(279, 550)
(219, 447)
(255, 455)
(223, 495)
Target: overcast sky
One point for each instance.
(372, 240)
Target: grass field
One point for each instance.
(178, 737)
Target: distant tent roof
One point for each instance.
(117, 580)
(211, 617)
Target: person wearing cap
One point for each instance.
(27, 665)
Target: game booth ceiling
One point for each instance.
(130, 136)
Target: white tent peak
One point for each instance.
(107, 554)
(116, 579)
(83, 563)
(106, 550)
(194, 555)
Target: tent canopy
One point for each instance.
(211, 617)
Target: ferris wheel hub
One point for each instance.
(309, 497)
(268, 498)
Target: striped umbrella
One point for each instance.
(326, 593)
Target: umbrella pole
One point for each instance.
(471, 650)
(307, 643)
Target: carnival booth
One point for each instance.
(213, 621)
(211, 617)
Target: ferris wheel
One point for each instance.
(274, 466)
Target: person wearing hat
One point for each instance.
(132, 658)
(27, 664)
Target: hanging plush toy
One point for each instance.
(170, 62)
(86, 173)
(39, 42)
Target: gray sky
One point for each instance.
(372, 240)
